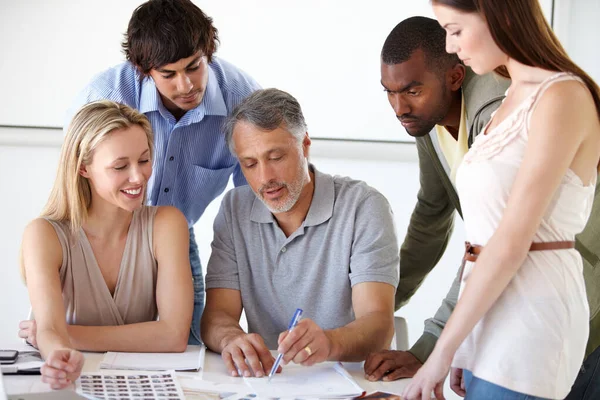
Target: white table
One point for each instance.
(214, 371)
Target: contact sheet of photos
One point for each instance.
(142, 386)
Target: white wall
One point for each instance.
(292, 45)
(26, 177)
(324, 52)
(577, 27)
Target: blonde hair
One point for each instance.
(71, 196)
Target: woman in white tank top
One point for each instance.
(526, 188)
(100, 265)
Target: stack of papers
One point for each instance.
(195, 388)
(192, 359)
(28, 362)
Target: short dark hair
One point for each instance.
(161, 32)
(418, 33)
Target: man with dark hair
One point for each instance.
(418, 33)
(173, 77)
(296, 237)
(443, 105)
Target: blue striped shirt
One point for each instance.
(192, 163)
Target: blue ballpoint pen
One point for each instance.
(293, 323)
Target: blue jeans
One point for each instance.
(198, 290)
(479, 389)
(587, 384)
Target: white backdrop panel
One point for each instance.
(326, 53)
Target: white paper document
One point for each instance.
(198, 389)
(325, 380)
(190, 360)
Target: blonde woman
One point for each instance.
(101, 266)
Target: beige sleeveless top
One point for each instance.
(86, 297)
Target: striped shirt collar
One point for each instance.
(212, 102)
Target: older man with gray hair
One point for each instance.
(296, 238)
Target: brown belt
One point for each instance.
(472, 251)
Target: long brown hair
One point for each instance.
(520, 30)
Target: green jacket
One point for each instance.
(431, 222)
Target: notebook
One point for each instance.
(28, 362)
(192, 359)
(325, 380)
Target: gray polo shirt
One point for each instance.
(348, 237)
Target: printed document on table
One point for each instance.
(325, 380)
(130, 385)
(190, 360)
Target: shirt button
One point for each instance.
(283, 250)
(171, 158)
(166, 190)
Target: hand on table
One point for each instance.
(62, 367)
(306, 344)
(390, 365)
(248, 354)
(28, 331)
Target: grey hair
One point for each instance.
(268, 109)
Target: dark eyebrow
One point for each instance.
(404, 88)
(164, 71)
(168, 71)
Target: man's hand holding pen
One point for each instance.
(306, 344)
